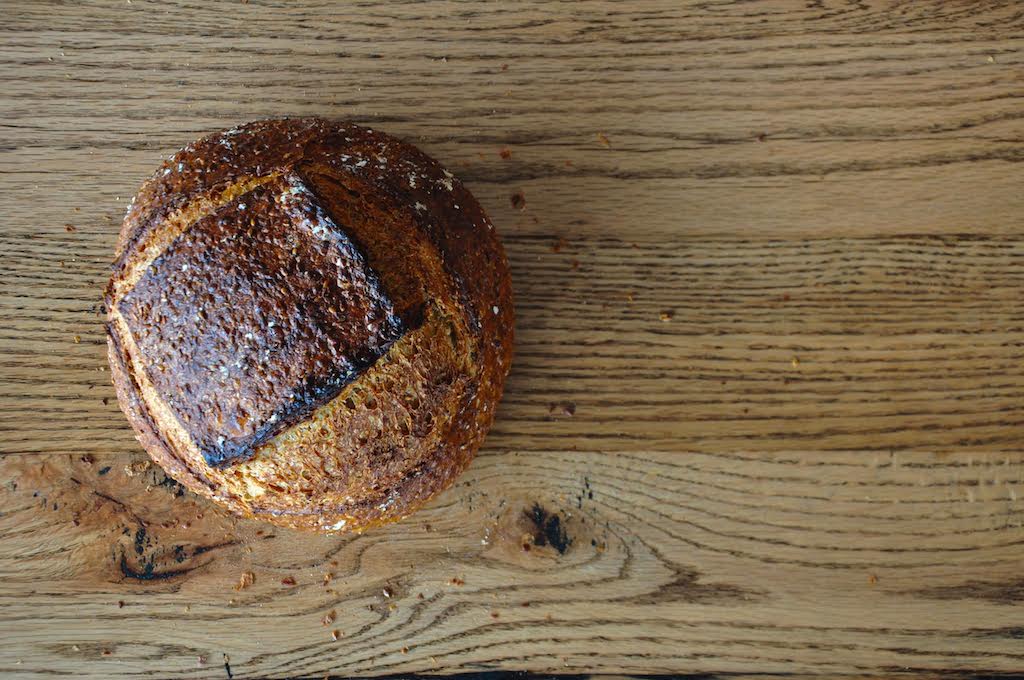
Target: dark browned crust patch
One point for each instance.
(254, 316)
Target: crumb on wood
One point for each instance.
(329, 618)
(666, 315)
(328, 577)
(562, 408)
(603, 140)
(120, 604)
(419, 596)
(505, 153)
(794, 362)
(387, 592)
(557, 246)
(518, 200)
(245, 580)
(335, 634)
(87, 459)
(70, 228)
(136, 468)
(456, 581)
(288, 581)
(495, 615)
(872, 579)
(77, 339)
(630, 298)
(106, 652)
(405, 650)
(761, 137)
(504, 67)
(201, 660)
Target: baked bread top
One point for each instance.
(309, 322)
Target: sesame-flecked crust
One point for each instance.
(404, 429)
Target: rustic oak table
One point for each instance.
(767, 409)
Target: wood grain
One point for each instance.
(767, 410)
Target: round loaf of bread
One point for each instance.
(309, 322)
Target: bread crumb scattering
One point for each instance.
(457, 582)
(505, 153)
(667, 315)
(288, 581)
(329, 617)
(335, 634)
(518, 200)
(245, 580)
(603, 140)
(135, 468)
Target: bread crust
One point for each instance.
(418, 397)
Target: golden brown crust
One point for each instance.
(408, 401)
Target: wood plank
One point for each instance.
(792, 561)
(912, 343)
(766, 411)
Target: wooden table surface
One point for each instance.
(767, 409)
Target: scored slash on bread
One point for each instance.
(304, 316)
(309, 322)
